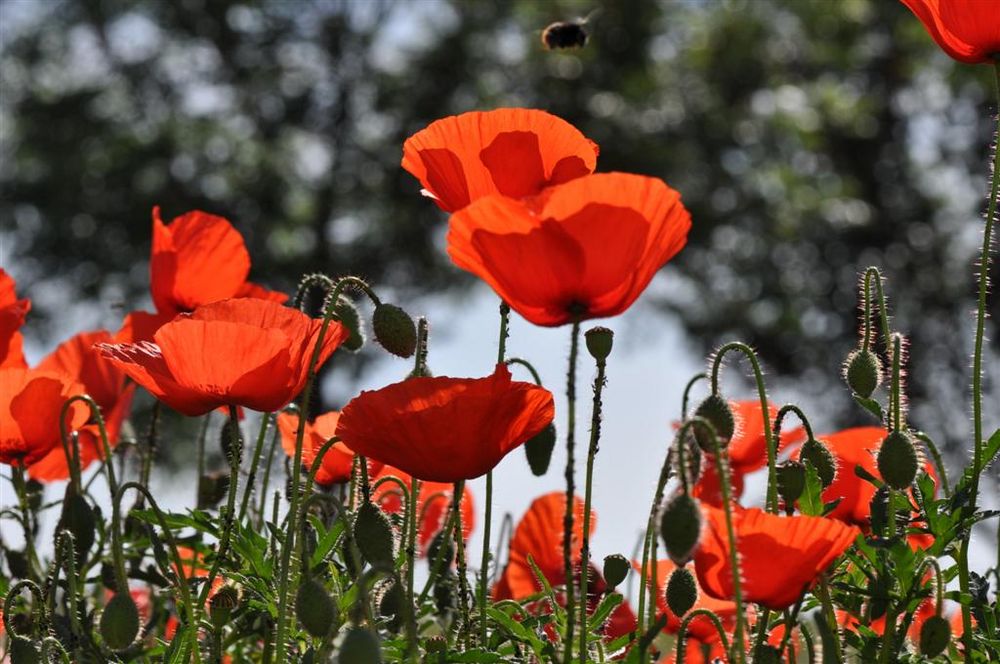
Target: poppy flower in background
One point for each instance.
(780, 556)
(31, 401)
(433, 503)
(241, 352)
(446, 429)
(338, 461)
(967, 30)
(701, 628)
(12, 314)
(580, 250)
(747, 451)
(513, 152)
(540, 535)
(77, 359)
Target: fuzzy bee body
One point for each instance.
(565, 34)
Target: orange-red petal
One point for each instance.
(780, 557)
(446, 429)
(967, 30)
(31, 402)
(433, 502)
(513, 152)
(584, 249)
(338, 461)
(12, 314)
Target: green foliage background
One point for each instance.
(808, 138)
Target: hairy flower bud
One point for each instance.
(682, 592)
(791, 480)
(817, 454)
(395, 330)
(222, 604)
(615, 569)
(120, 622)
(680, 527)
(897, 460)
(373, 533)
(717, 412)
(539, 448)
(863, 372)
(349, 317)
(935, 634)
(315, 608)
(360, 646)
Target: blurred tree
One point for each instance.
(809, 140)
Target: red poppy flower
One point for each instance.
(701, 628)
(780, 557)
(198, 259)
(747, 451)
(433, 503)
(967, 30)
(446, 429)
(104, 382)
(924, 611)
(240, 352)
(514, 152)
(584, 249)
(540, 535)
(337, 462)
(12, 314)
(31, 401)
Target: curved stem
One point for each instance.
(527, 365)
(595, 438)
(235, 456)
(772, 443)
(722, 469)
(977, 376)
(783, 412)
(938, 461)
(95, 414)
(570, 491)
(687, 392)
(682, 632)
(258, 450)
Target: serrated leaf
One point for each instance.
(872, 406)
(861, 472)
(811, 500)
(602, 612)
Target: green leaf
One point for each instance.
(811, 500)
(602, 613)
(872, 406)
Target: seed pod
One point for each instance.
(391, 605)
(897, 460)
(120, 622)
(394, 330)
(373, 533)
(349, 317)
(539, 448)
(821, 459)
(863, 372)
(682, 591)
(716, 410)
(791, 480)
(680, 527)
(359, 646)
(222, 604)
(599, 342)
(935, 634)
(615, 569)
(78, 518)
(315, 608)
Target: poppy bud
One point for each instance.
(791, 480)
(17, 563)
(599, 342)
(394, 330)
(716, 410)
(349, 317)
(615, 569)
(444, 592)
(359, 646)
(391, 605)
(120, 622)
(436, 644)
(863, 372)
(680, 527)
(817, 454)
(78, 519)
(434, 548)
(897, 460)
(766, 654)
(539, 448)
(373, 533)
(692, 459)
(222, 604)
(935, 634)
(682, 592)
(24, 651)
(315, 608)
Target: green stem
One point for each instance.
(722, 469)
(687, 392)
(977, 379)
(21, 489)
(570, 491)
(772, 443)
(463, 580)
(95, 414)
(412, 649)
(897, 387)
(823, 592)
(258, 449)
(488, 516)
(235, 456)
(682, 632)
(595, 438)
(199, 453)
(266, 480)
